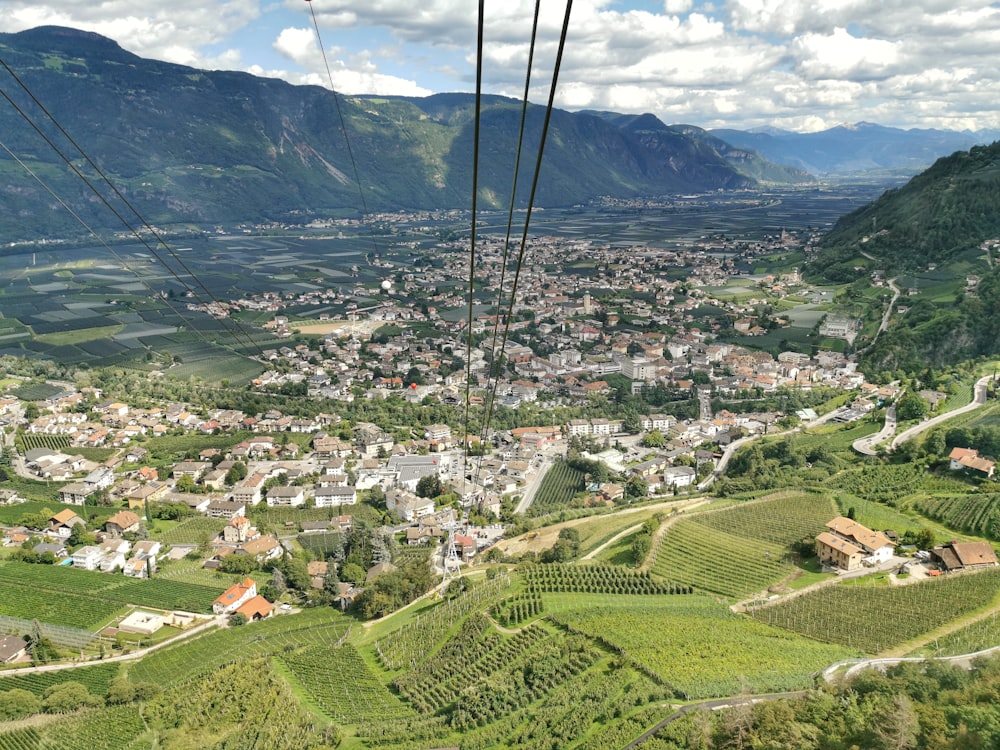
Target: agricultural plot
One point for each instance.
(181, 662)
(694, 553)
(192, 530)
(72, 610)
(560, 484)
(976, 636)
(883, 483)
(973, 514)
(782, 519)
(96, 679)
(416, 641)
(342, 685)
(27, 441)
(81, 599)
(475, 653)
(595, 579)
(700, 648)
(876, 618)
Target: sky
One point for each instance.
(802, 65)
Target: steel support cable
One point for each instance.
(159, 240)
(96, 236)
(472, 238)
(366, 216)
(491, 391)
(538, 169)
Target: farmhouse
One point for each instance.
(847, 545)
(235, 597)
(969, 458)
(965, 555)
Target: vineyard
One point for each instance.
(782, 519)
(95, 679)
(559, 486)
(741, 549)
(876, 618)
(86, 600)
(883, 483)
(515, 610)
(976, 636)
(108, 729)
(27, 441)
(595, 579)
(342, 685)
(711, 560)
(192, 530)
(973, 513)
(700, 648)
(474, 653)
(184, 661)
(414, 642)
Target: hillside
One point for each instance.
(935, 224)
(194, 147)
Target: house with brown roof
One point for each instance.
(965, 555)
(262, 548)
(257, 608)
(123, 522)
(969, 458)
(847, 545)
(62, 523)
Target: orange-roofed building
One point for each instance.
(235, 597)
(257, 608)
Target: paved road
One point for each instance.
(217, 621)
(866, 445)
(978, 399)
(532, 487)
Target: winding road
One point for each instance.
(978, 400)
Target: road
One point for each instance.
(217, 621)
(531, 488)
(866, 445)
(978, 399)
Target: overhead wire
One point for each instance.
(247, 339)
(95, 234)
(366, 216)
(481, 23)
(534, 187)
(496, 360)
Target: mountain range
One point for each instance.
(198, 148)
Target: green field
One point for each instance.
(740, 550)
(699, 647)
(875, 618)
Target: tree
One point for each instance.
(636, 487)
(31, 412)
(237, 472)
(353, 573)
(237, 618)
(653, 439)
(911, 406)
(67, 696)
(429, 486)
(18, 703)
(238, 564)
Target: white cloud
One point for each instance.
(787, 62)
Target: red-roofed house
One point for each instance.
(257, 608)
(235, 597)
